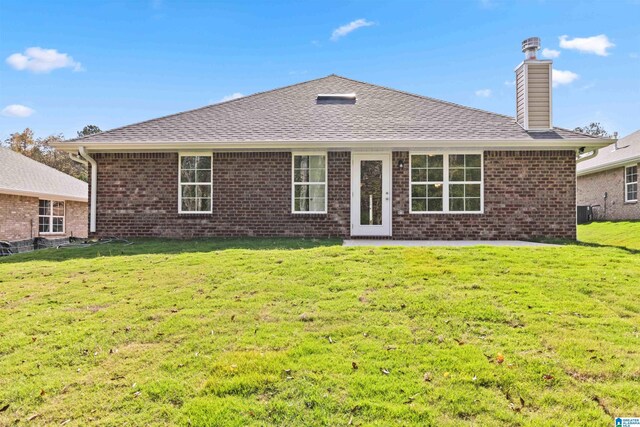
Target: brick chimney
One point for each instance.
(533, 89)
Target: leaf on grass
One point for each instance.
(65, 422)
(460, 342)
(33, 417)
(42, 392)
(330, 340)
(384, 371)
(446, 374)
(499, 358)
(136, 394)
(427, 377)
(354, 365)
(547, 377)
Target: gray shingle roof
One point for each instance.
(628, 150)
(292, 114)
(22, 175)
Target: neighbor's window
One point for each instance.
(446, 183)
(195, 183)
(50, 216)
(309, 183)
(631, 184)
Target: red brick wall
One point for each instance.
(19, 218)
(138, 196)
(527, 194)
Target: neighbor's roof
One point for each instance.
(292, 114)
(628, 151)
(21, 175)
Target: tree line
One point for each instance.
(41, 150)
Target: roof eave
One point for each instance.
(44, 195)
(508, 144)
(610, 165)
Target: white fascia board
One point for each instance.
(485, 144)
(607, 166)
(41, 195)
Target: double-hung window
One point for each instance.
(309, 186)
(50, 216)
(449, 183)
(195, 174)
(631, 183)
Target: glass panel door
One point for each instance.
(371, 192)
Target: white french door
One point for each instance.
(370, 194)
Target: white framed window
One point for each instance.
(631, 183)
(51, 217)
(446, 183)
(195, 174)
(309, 183)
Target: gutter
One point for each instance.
(398, 145)
(94, 188)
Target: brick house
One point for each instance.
(39, 201)
(339, 157)
(609, 181)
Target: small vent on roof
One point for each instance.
(336, 98)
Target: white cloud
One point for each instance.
(38, 60)
(595, 44)
(483, 93)
(561, 77)
(17, 110)
(550, 53)
(231, 97)
(347, 28)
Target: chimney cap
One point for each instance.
(532, 43)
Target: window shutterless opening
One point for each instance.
(336, 98)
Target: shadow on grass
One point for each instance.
(166, 246)
(567, 242)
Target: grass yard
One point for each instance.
(616, 233)
(297, 332)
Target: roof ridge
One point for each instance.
(200, 108)
(452, 103)
(427, 97)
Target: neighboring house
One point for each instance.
(339, 157)
(609, 181)
(39, 201)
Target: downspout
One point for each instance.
(94, 188)
(588, 156)
(77, 159)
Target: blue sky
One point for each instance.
(119, 62)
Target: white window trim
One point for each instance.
(293, 183)
(627, 184)
(446, 182)
(51, 216)
(193, 154)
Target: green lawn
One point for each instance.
(300, 332)
(623, 234)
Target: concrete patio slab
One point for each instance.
(451, 243)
